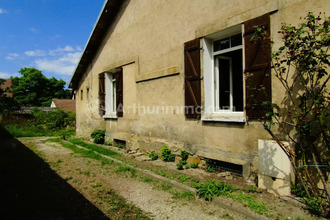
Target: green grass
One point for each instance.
(124, 168)
(95, 148)
(28, 130)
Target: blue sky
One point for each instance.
(49, 35)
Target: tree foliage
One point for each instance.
(301, 65)
(34, 89)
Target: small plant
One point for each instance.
(107, 143)
(98, 136)
(180, 165)
(153, 155)
(184, 155)
(314, 204)
(213, 189)
(187, 166)
(65, 134)
(210, 169)
(183, 178)
(167, 154)
(193, 165)
(254, 189)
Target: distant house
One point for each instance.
(8, 87)
(64, 104)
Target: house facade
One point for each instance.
(179, 73)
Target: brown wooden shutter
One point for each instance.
(192, 78)
(119, 93)
(101, 94)
(257, 67)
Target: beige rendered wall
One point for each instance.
(147, 40)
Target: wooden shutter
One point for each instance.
(101, 94)
(257, 67)
(192, 79)
(119, 93)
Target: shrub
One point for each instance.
(98, 136)
(180, 165)
(153, 155)
(184, 155)
(167, 154)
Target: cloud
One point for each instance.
(8, 75)
(35, 53)
(3, 11)
(64, 65)
(12, 56)
(34, 30)
(61, 50)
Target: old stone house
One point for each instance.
(172, 72)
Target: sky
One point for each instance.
(49, 35)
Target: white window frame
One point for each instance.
(211, 81)
(110, 96)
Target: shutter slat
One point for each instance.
(257, 67)
(192, 78)
(101, 94)
(119, 93)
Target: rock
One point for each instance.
(202, 164)
(224, 174)
(194, 159)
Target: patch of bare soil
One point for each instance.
(97, 182)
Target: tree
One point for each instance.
(34, 89)
(301, 65)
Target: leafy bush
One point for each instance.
(167, 154)
(54, 120)
(98, 136)
(153, 155)
(184, 155)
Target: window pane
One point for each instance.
(236, 40)
(221, 44)
(224, 83)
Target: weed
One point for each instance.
(227, 216)
(124, 168)
(314, 204)
(187, 166)
(210, 169)
(254, 189)
(146, 179)
(68, 178)
(96, 185)
(183, 178)
(213, 189)
(153, 155)
(193, 165)
(165, 187)
(167, 154)
(107, 143)
(180, 165)
(183, 195)
(184, 155)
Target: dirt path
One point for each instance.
(96, 181)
